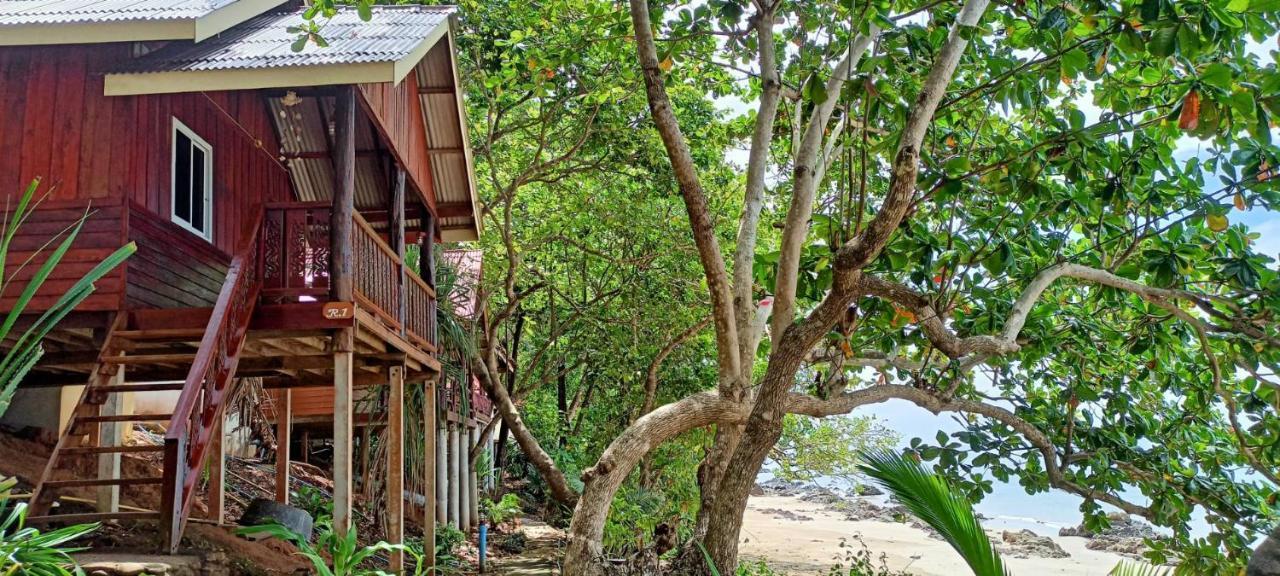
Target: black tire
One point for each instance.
(262, 511)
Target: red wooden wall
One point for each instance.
(396, 111)
(55, 123)
(102, 233)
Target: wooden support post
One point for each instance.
(426, 264)
(341, 273)
(110, 434)
(216, 498)
(342, 289)
(429, 470)
(284, 429)
(454, 495)
(343, 415)
(395, 465)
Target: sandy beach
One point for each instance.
(796, 545)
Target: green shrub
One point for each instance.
(25, 550)
(502, 511)
(332, 554)
(315, 501)
(859, 561)
(448, 538)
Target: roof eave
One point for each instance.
(195, 29)
(474, 232)
(129, 84)
(220, 20)
(247, 79)
(96, 32)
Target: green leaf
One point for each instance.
(1055, 19)
(1149, 11)
(365, 10)
(1164, 41)
(1217, 75)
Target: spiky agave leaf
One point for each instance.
(933, 501)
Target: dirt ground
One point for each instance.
(24, 458)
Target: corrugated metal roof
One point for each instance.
(265, 41)
(451, 164)
(22, 12)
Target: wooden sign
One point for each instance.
(339, 310)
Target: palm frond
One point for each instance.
(932, 500)
(1126, 568)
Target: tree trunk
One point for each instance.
(513, 371)
(555, 478)
(601, 482)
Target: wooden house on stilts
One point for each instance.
(272, 194)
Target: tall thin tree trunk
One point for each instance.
(513, 371)
(562, 407)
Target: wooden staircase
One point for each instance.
(94, 427)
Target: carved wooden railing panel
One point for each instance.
(201, 404)
(295, 251)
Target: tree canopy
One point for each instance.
(1028, 213)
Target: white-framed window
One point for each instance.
(192, 199)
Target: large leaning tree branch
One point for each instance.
(695, 200)
(972, 350)
(757, 164)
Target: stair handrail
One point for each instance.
(190, 430)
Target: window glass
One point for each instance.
(192, 181)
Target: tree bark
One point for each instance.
(695, 201)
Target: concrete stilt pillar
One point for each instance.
(473, 484)
(429, 468)
(284, 437)
(493, 461)
(454, 495)
(442, 475)
(464, 481)
(111, 434)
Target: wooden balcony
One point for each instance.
(173, 269)
(295, 264)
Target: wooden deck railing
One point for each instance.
(201, 403)
(377, 274)
(295, 264)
